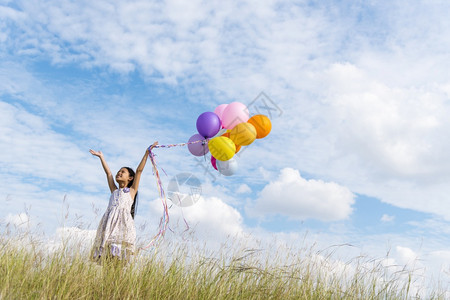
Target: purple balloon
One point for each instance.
(200, 148)
(208, 124)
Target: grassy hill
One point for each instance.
(30, 273)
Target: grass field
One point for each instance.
(31, 272)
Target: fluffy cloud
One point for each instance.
(384, 140)
(387, 218)
(173, 41)
(299, 198)
(208, 219)
(243, 189)
(406, 255)
(397, 131)
(31, 147)
(20, 220)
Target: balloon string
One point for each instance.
(181, 144)
(164, 221)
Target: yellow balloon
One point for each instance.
(222, 148)
(243, 134)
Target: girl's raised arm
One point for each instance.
(139, 169)
(109, 177)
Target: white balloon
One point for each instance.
(227, 167)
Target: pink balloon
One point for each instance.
(213, 162)
(235, 113)
(219, 111)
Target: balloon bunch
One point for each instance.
(223, 133)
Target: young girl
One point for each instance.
(116, 233)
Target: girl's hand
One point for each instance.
(153, 145)
(96, 153)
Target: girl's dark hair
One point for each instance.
(134, 206)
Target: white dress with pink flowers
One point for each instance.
(116, 233)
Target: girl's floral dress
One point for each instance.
(116, 233)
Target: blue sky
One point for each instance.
(358, 152)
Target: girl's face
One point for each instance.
(123, 176)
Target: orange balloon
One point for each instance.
(227, 134)
(243, 134)
(238, 147)
(262, 125)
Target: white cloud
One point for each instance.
(299, 198)
(214, 216)
(31, 147)
(382, 135)
(209, 219)
(439, 261)
(385, 218)
(405, 255)
(72, 238)
(20, 220)
(243, 189)
(215, 39)
(394, 130)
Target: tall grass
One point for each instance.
(33, 273)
